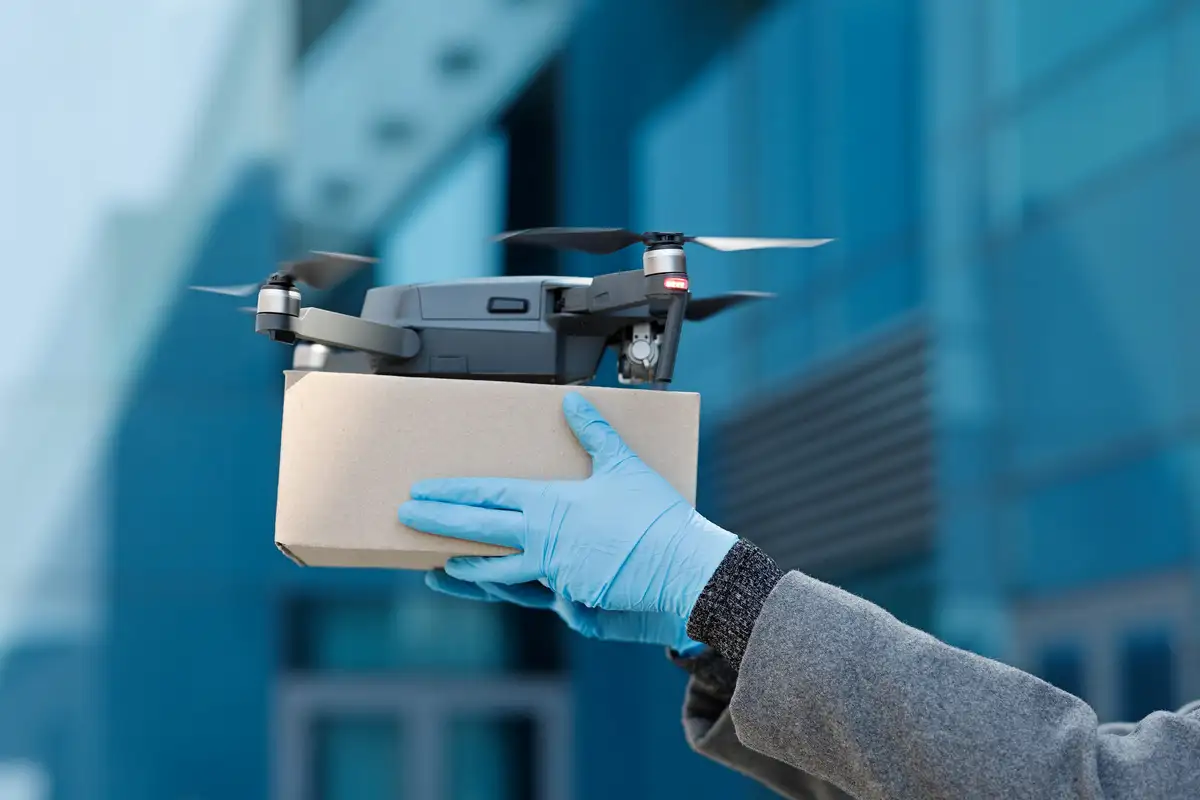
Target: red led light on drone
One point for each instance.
(677, 282)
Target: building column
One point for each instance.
(970, 608)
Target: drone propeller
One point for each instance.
(705, 307)
(323, 271)
(602, 241)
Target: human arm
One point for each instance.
(840, 689)
(828, 683)
(709, 731)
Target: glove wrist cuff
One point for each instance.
(728, 606)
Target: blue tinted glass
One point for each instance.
(1062, 666)
(357, 757)
(1126, 518)
(491, 759)
(417, 632)
(781, 57)
(879, 294)
(1189, 71)
(448, 235)
(1099, 120)
(1147, 677)
(675, 193)
(1039, 36)
(1090, 342)
(786, 344)
(876, 125)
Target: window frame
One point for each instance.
(1099, 618)
(425, 708)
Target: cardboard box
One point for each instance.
(354, 444)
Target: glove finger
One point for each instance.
(493, 569)
(598, 438)
(509, 494)
(439, 581)
(491, 526)
(527, 595)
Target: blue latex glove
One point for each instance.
(622, 540)
(642, 627)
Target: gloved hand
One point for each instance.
(622, 540)
(642, 627)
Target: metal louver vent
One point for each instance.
(836, 474)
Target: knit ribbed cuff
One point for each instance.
(724, 615)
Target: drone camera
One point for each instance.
(639, 354)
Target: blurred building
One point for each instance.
(974, 407)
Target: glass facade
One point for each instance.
(786, 133)
(1148, 672)
(1019, 173)
(1063, 666)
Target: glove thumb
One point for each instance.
(594, 433)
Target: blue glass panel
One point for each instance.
(448, 234)
(879, 294)
(1103, 118)
(1189, 70)
(1147, 674)
(491, 759)
(357, 758)
(1090, 334)
(1127, 518)
(684, 170)
(1062, 665)
(786, 348)
(419, 632)
(1040, 36)
(876, 83)
(779, 50)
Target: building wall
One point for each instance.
(788, 119)
(1065, 433)
(1061, 160)
(191, 639)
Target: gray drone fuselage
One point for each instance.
(486, 328)
(535, 329)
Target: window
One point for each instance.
(357, 757)
(447, 236)
(1078, 531)
(1147, 673)
(1062, 665)
(1188, 49)
(491, 758)
(419, 632)
(1033, 38)
(675, 193)
(399, 693)
(1108, 115)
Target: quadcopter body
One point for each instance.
(542, 329)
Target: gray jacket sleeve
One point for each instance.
(710, 732)
(830, 691)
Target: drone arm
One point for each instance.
(615, 291)
(343, 331)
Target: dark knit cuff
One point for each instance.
(724, 615)
(710, 669)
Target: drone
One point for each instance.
(534, 329)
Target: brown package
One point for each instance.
(353, 445)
